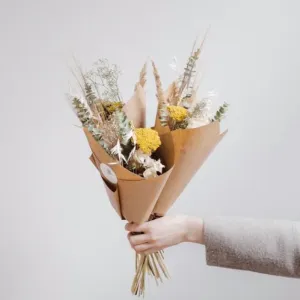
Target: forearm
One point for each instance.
(271, 247)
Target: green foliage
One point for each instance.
(82, 112)
(125, 128)
(181, 125)
(97, 135)
(221, 112)
(89, 94)
(86, 120)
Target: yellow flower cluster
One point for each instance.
(147, 139)
(177, 113)
(113, 106)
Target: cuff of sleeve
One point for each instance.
(212, 243)
(220, 244)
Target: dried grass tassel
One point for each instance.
(143, 77)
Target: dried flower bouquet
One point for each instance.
(134, 162)
(144, 170)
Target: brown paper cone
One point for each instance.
(111, 189)
(192, 147)
(135, 196)
(135, 108)
(138, 198)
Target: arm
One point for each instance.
(271, 247)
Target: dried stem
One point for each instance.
(160, 94)
(148, 264)
(174, 93)
(143, 76)
(190, 69)
(162, 105)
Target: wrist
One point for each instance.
(194, 230)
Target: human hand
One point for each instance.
(164, 232)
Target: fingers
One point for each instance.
(146, 249)
(136, 227)
(151, 250)
(144, 243)
(138, 239)
(141, 249)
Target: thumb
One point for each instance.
(132, 227)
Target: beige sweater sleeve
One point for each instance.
(270, 247)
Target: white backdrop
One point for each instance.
(59, 237)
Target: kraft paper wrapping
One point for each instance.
(134, 197)
(111, 189)
(192, 147)
(135, 108)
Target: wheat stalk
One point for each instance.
(174, 93)
(143, 76)
(160, 94)
(162, 104)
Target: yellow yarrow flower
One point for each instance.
(147, 139)
(177, 113)
(113, 106)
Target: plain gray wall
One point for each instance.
(60, 239)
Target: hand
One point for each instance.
(165, 232)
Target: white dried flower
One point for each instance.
(128, 136)
(157, 165)
(131, 153)
(117, 150)
(151, 166)
(141, 158)
(150, 173)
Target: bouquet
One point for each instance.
(195, 129)
(144, 170)
(134, 162)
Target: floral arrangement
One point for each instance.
(144, 170)
(179, 108)
(100, 111)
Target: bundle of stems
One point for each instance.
(151, 264)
